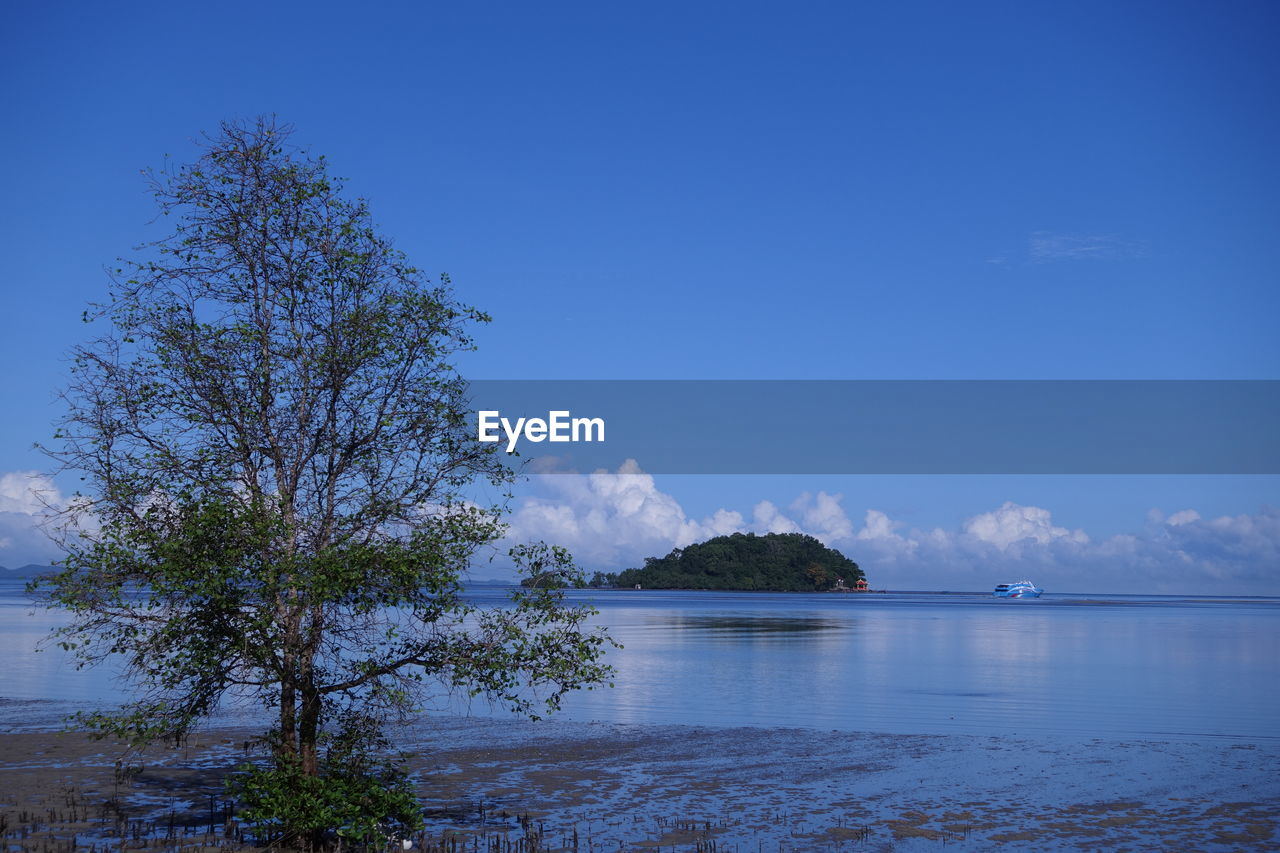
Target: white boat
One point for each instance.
(1018, 589)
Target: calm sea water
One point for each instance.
(1106, 666)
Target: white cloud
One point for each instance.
(823, 516)
(1245, 547)
(28, 492)
(1049, 246)
(768, 519)
(609, 519)
(26, 498)
(1012, 524)
(877, 525)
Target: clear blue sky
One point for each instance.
(746, 190)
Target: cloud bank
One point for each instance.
(614, 520)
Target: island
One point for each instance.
(774, 562)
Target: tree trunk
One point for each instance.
(309, 729)
(288, 745)
(289, 678)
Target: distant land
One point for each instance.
(774, 562)
(30, 570)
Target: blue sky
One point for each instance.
(826, 190)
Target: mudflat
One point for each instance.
(497, 784)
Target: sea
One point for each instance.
(1081, 665)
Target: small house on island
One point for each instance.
(859, 586)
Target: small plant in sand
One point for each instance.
(361, 794)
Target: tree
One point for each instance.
(276, 451)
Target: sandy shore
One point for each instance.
(606, 787)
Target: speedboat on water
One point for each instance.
(1020, 589)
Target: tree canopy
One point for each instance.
(781, 562)
(275, 448)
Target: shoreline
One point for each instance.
(644, 787)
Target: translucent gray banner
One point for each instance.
(885, 427)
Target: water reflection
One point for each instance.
(943, 665)
(905, 664)
(751, 626)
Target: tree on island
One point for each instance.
(779, 562)
(275, 446)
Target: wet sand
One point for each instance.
(607, 787)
